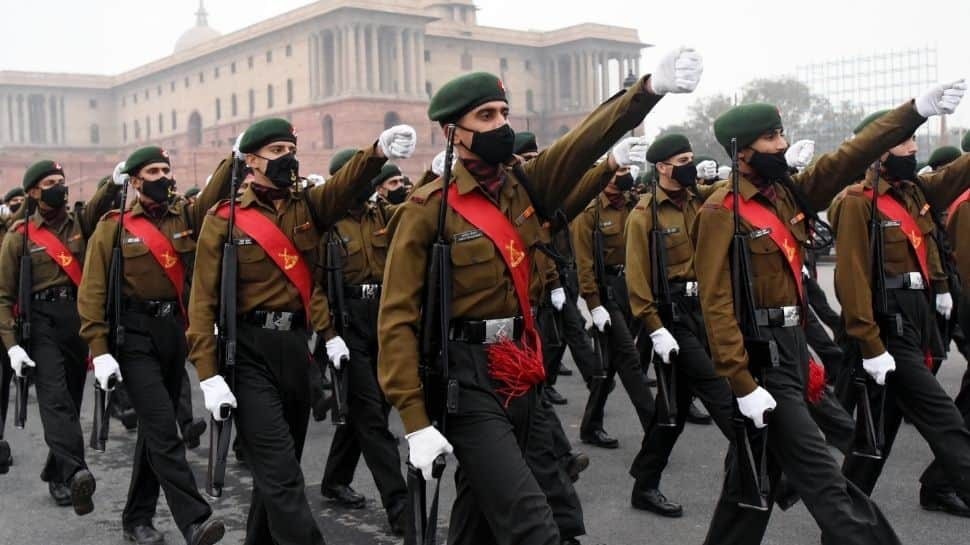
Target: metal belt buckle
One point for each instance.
(164, 310)
(914, 281)
(792, 316)
(496, 330)
(690, 289)
(279, 321)
(369, 291)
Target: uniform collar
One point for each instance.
(884, 184)
(137, 209)
(249, 198)
(40, 222)
(467, 183)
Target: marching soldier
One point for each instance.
(192, 193)
(772, 208)
(13, 200)
(492, 221)
(157, 248)
(278, 233)
(56, 240)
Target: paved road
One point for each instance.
(27, 515)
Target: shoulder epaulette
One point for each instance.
(424, 193)
(644, 202)
(217, 206)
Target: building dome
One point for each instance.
(198, 34)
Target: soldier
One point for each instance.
(14, 199)
(677, 337)
(158, 246)
(773, 207)
(278, 233)
(496, 232)
(915, 285)
(192, 193)
(56, 241)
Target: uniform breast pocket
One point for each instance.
(766, 258)
(896, 250)
(475, 265)
(679, 250)
(138, 260)
(379, 242)
(254, 265)
(612, 238)
(353, 255)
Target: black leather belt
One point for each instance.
(906, 281)
(157, 309)
(614, 270)
(275, 320)
(779, 317)
(363, 291)
(487, 331)
(688, 288)
(57, 293)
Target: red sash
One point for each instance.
(277, 246)
(519, 369)
(55, 249)
(891, 208)
(760, 217)
(162, 250)
(956, 204)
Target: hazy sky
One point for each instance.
(740, 40)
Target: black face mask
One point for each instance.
(283, 171)
(397, 196)
(685, 175)
(495, 146)
(770, 166)
(159, 190)
(14, 207)
(624, 182)
(54, 196)
(900, 168)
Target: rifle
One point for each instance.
(751, 442)
(601, 340)
(339, 378)
(220, 431)
(25, 290)
(666, 378)
(440, 390)
(102, 405)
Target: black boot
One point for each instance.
(144, 534)
(651, 499)
(946, 501)
(343, 495)
(82, 489)
(205, 533)
(6, 458)
(553, 396)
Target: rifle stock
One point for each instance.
(102, 404)
(666, 381)
(338, 308)
(24, 295)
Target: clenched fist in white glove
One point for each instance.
(424, 446)
(707, 170)
(119, 177)
(944, 304)
(601, 318)
(664, 344)
(925, 170)
(19, 359)
(216, 393)
(438, 163)
(756, 404)
(942, 99)
(879, 366)
(679, 71)
(337, 351)
(105, 367)
(558, 298)
(724, 173)
(398, 142)
(630, 151)
(800, 154)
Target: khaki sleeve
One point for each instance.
(216, 190)
(320, 317)
(9, 281)
(639, 267)
(412, 231)
(933, 260)
(93, 291)
(204, 297)
(592, 183)
(943, 186)
(331, 200)
(821, 181)
(581, 229)
(100, 204)
(712, 262)
(959, 230)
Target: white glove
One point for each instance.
(944, 304)
(630, 151)
(925, 170)
(235, 147)
(707, 170)
(664, 344)
(398, 142)
(724, 173)
(18, 359)
(311, 343)
(601, 318)
(679, 71)
(119, 177)
(756, 404)
(337, 351)
(424, 446)
(942, 99)
(558, 297)
(879, 366)
(216, 393)
(635, 172)
(805, 271)
(800, 154)
(438, 163)
(106, 366)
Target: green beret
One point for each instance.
(274, 129)
(698, 159)
(746, 123)
(13, 193)
(667, 146)
(40, 170)
(464, 93)
(388, 171)
(525, 142)
(145, 156)
(943, 156)
(340, 159)
(192, 191)
(869, 119)
(966, 142)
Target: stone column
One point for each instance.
(574, 73)
(399, 67)
(312, 49)
(591, 80)
(373, 58)
(361, 58)
(348, 59)
(556, 85)
(338, 61)
(407, 60)
(420, 73)
(604, 77)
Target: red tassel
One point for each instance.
(90, 363)
(928, 360)
(517, 368)
(816, 382)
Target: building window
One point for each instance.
(503, 64)
(289, 91)
(160, 119)
(529, 101)
(269, 96)
(158, 91)
(289, 50)
(124, 132)
(427, 88)
(269, 57)
(391, 119)
(427, 55)
(172, 86)
(195, 130)
(148, 127)
(186, 82)
(233, 105)
(250, 60)
(93, 103)
(218, 109)
(466, 60)
(252, 102)
(201, 77)
(137, 131)
(134, 98)
(174, 121)
(327, 132)
(215, 73)
(232, 67)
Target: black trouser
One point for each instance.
(543, 453)
(820, 304)
(823, 345)
(6, 376)
(915, 393)
(366, 430)
(834, 421)
(624, 360)
(273, 394)
(499, 501)
(571, 328)
(152, 364)
(62, 367)
(184, 409)
(695, 376)
(843, 512)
